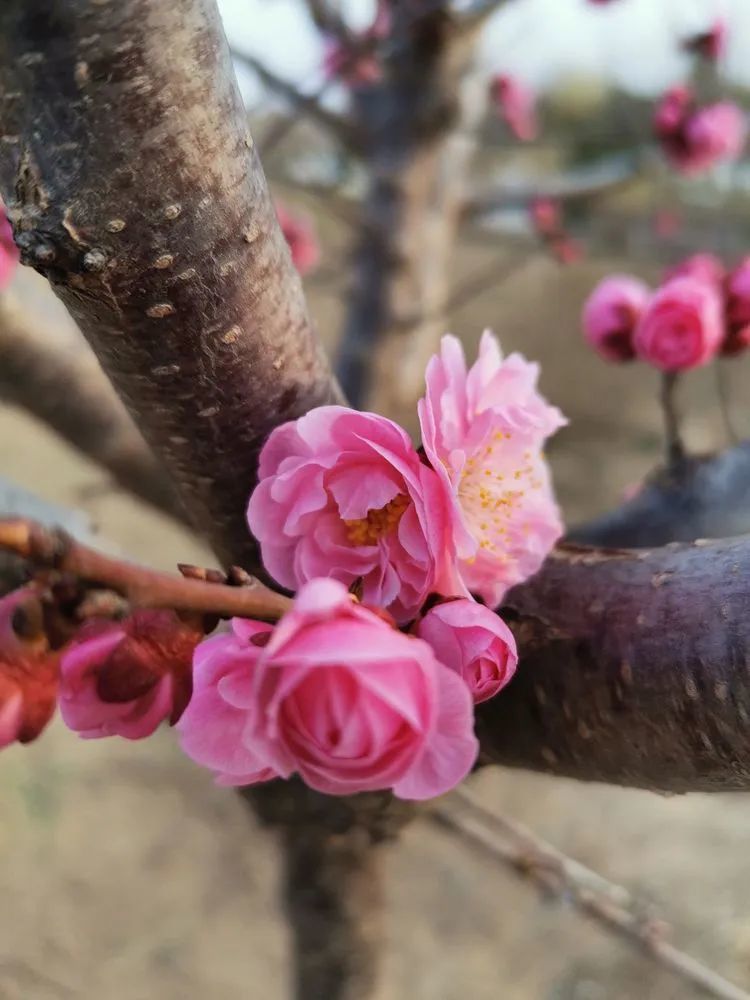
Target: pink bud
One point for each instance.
(682, 326)
(474, 641)
(126, 678)
(711, 43)
(738, 308)
(28, 669)
(336, 695)
(516, 105)
(703, 266)
(545, 216)
(610, 315)
(695, 139)
(299, 233)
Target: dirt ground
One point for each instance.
(126, 875)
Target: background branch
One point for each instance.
(66, 389)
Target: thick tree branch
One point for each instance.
(634, 669)
(67, 390)
(342, 128)
(134, 186)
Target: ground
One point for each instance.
(127, 875)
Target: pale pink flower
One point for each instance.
(474, 641)
(9, 253)
(302, 240)
(704, 266)
(338, 696)
(682, 326)
(126, 678)
(610, 314)
(516, 104)
(28, 671)
(344, 494)
(483, 431)
(693, 138)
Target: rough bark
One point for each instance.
(419, 125)
(66, 389)
(635, 669)
(134, 187)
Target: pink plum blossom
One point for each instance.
(483, 431)
(610, 315)
(335, 694)
(299, 233)
(28, 671)
(693, 138)
(344, 494)
(704, 266)
(682, 326)
(126, 678)
(9, 253)
(474, 641)
(516, 104)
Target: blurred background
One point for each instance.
(126, 874)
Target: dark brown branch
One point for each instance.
(340, 127)
(67, 390)
(55, 549)
(634, 669)
(134, 186)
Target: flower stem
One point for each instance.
(722, 391)
(675, 444)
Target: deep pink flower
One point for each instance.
(704, 266)
(516, 105)
(28, 669)
(693, 138)
(126, 678)
(610, 314)
(338, 696)
(9, 253)
(344, 494)
(483, 431)
(682, 326)
(711, 43)
(474, 641)
(299, 233)
(738, 309)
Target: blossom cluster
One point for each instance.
(700, 310)
(694, 138)
(398, 557)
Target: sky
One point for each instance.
(630, 43)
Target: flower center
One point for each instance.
(492, 500)
(378, 522)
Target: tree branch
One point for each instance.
(54, 549)
(610, 905)
(341, 127)
(634, 669)
(134, 186)
(68, 391)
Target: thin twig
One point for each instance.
(344, 130)
(725, 406)
(609, 904)
(667, 399)
(55, 549)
